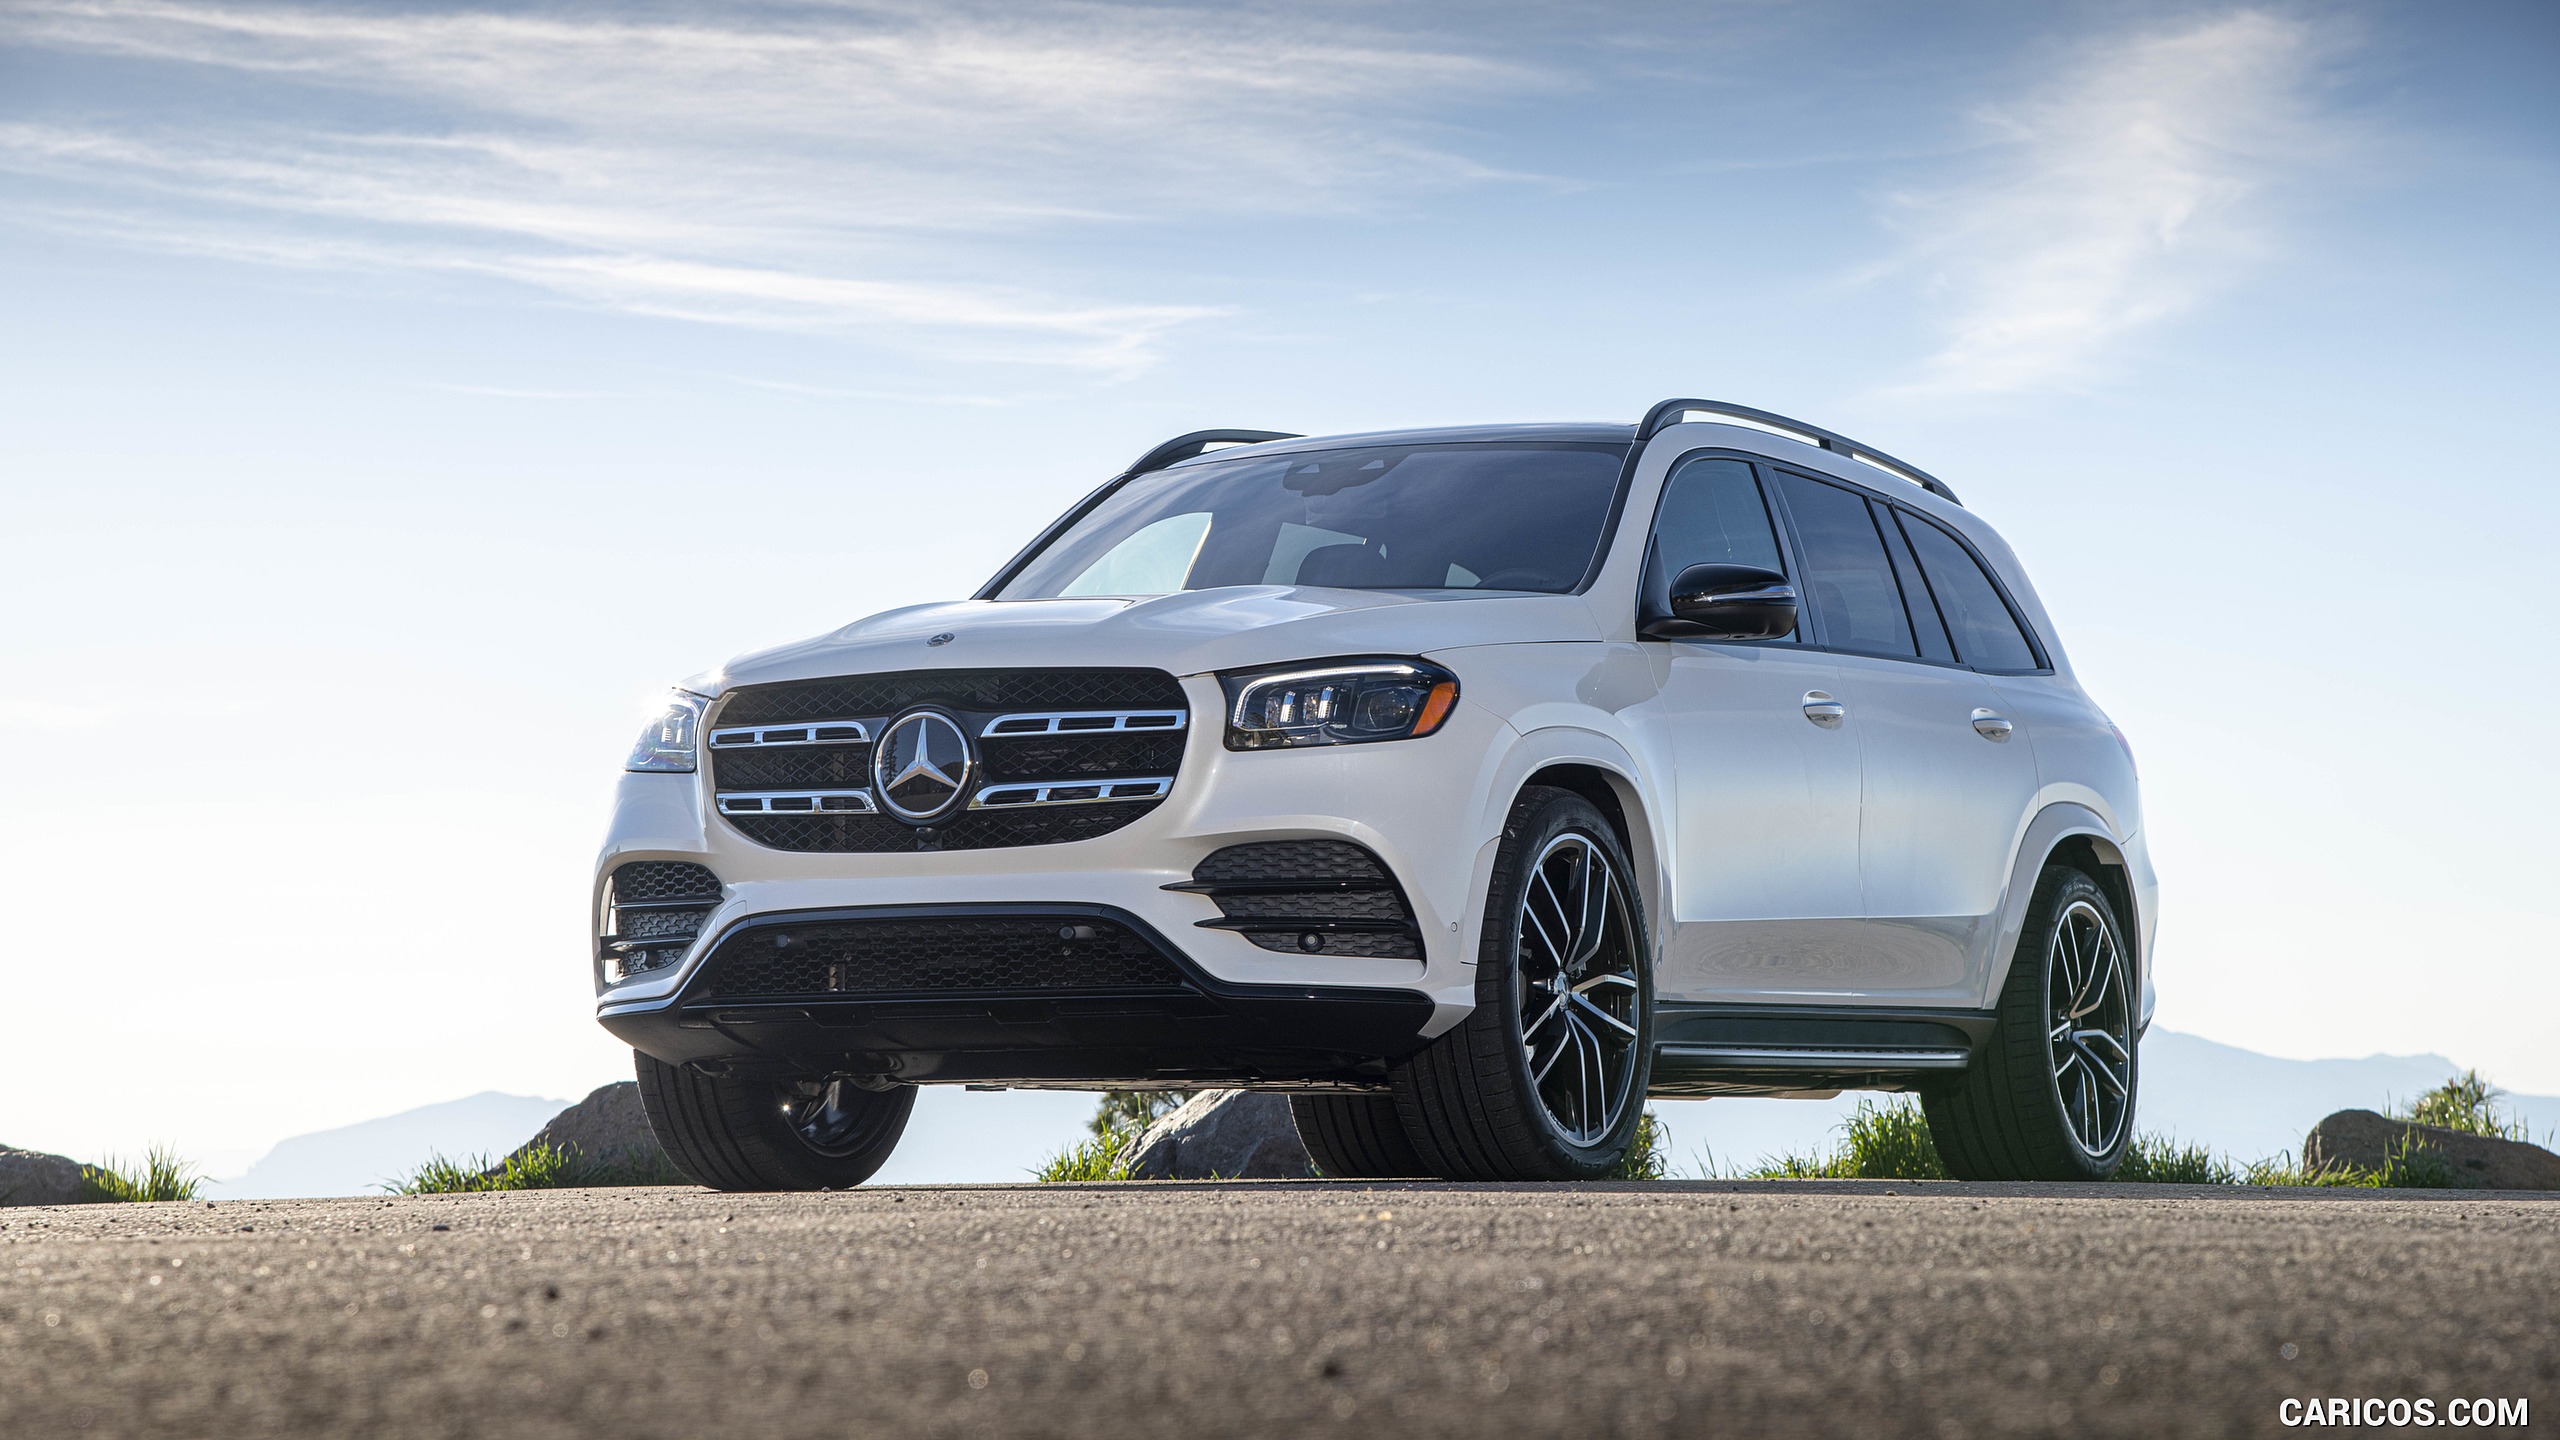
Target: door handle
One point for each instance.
(1993, 726)
(1824, 711)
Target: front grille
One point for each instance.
(1146, 744)
(1312, 896)
(654, 912)
(846, 958)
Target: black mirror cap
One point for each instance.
(1734, 602)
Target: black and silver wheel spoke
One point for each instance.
(2089, 1027)
(1578, 988)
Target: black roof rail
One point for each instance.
(1669, 413)
(1198, 442)
(1173, 451)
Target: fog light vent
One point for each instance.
(653, 913)
(1326, 897)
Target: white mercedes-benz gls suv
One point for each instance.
(1470, 785)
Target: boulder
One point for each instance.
(609, 1127)
(2366, 1140)
(32, 1177)
(1223, 1135)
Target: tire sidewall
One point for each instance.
(2071, 885)
(1498, 982)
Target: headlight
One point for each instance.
(668, 742)
(1348, 703)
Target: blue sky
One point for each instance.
(392, 399)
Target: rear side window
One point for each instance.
(1915, 591)
(1846, 573)
(1978, 620)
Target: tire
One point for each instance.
(732, 1133)
(2050, 1100)
(1356, 1137)
(1486, 1101)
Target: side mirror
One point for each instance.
(1735, 602)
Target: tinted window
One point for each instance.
(1712, 514)
(1986, 635)
(1915, 591)
(1500, 516)
(1846, 574)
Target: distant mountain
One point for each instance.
(357, 1159)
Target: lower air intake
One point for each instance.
(1326, 897)
(1013, 955)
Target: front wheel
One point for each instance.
(733, 1133)
(1545, 1079)
(2051, 1097)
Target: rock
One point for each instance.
(609, 1127)
(32, 1177)
(1223, 1135)
(2366, 1140)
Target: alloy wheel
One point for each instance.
(2089, 1026)
(1578, 989)
(826, 1115)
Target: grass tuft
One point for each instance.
(1102, 1156)
(2466, 1103)
(2155, 1159)
(539, 1167)
(161, 1175)
(1648, 1157)
(1877, 1142)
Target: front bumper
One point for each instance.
(1250, 1012)
(1190, 1029)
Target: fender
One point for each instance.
(1570, 745)
(2053, 825)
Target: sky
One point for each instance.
(394, 399)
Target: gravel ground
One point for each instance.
(1678, 1308)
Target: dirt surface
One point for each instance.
(1738, 1309)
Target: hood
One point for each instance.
(1185, 633)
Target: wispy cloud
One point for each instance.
(848, 166)
(2125, 191)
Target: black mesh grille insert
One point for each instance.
(975, 697)
(993, 691)
(1319, 882)
(936, 956)
(658, 909)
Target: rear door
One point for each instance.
(1765, 831)
(1946, 778)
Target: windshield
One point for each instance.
(1505, 515)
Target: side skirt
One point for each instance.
(1705, 1050)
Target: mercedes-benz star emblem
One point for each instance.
(921, 766)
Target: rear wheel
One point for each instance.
(2051, 1097)
(733, 1133)
(1356, 1137)
(1545, 1080)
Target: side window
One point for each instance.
(1986, 634)
(1847, 576)
(1712, 514)
(1915, 591)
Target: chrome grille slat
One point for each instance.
(1084, 722)
(1046, 792)
(796, 802)
(804, 732)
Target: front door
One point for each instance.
(1764, 865)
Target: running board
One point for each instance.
(1786, 1057)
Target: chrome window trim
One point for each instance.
(760, 802)
(1156, 788)
(725, 738)
(1049, 723)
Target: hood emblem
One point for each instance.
(945, 638)
(920, 768)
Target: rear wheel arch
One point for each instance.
(2075, 836)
